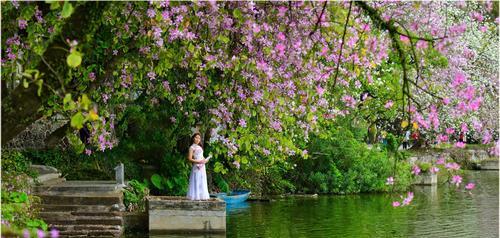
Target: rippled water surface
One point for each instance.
(440, 211)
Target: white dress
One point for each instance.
(198, 188)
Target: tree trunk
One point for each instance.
(23, 106)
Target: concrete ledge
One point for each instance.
(169, 215)
(426, 179)
(489, 165)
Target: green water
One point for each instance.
(439, 211)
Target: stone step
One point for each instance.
(489, 165)
(74, 208)
(89, 227)
(46, 177)
(80, 186)
(64, 219)
(80, 198)
(91, 233)
(75, 213)
(43, 169)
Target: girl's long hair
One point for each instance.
(192, 139)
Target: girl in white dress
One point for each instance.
(198, 189)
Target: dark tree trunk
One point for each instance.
(23, 106)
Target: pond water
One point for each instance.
(439, 211)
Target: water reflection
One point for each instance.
(190, 236)
(437, 211)
(237, 207)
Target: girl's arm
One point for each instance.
(190, 158)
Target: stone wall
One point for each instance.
(33, 137)
(468, 158)
(181, 215)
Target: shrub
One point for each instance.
(134, 196)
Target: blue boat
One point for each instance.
(235, 196)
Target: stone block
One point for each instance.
(181, 215)
(489, 165)
(426, 179)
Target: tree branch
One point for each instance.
(319, 19)
(342, 46)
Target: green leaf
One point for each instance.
(85, 102)
(53, 4)
(237, 13)
(77, 120)
(67, 10)
(191, 48)
(25, 83)
(39, 83)
(68, 103)
(74, 59)
(156, 179)
(224, 39)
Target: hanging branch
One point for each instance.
(319, 19)
(342, 46)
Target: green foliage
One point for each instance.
(340, 163)
(134, 195)
(424, 166)
(14, 162)
(18, 205)
(221, 183)
(172, 178)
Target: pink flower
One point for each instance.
(442, 138)
(464, 128)
(421, 44)
(26, 233)
(477, 16)
(92, 76)
(450, 131)
(459, 79)
(281, 36)
(280, 48)
(349, 101)
(441, 160)
(404, 39)
(434, 169)
(388, 104)
(151, 13)
(446, 101)
(242, 123)
(320, 90)
(54, 233)
(390, 181)
(457, 179)
(40, 233)
(460, 145)
(236, 164)
(88, 152)
(470, 186)
(396, 204)
(452, 166)
(486, 137)
(22, 24)
(276, 125)
(151, 75)
(408, 199)
(483, 28)
(495, 150)
(415, 170)
(255, 28)
(281, 11)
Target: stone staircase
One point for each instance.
(82, 208)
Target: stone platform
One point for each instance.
(170, 215)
